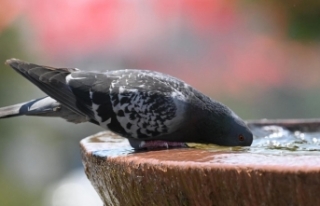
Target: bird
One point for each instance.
(149, 108)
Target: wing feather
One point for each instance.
(146, 106)
(52, 81)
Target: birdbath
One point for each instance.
(282, 167)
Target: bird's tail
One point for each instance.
(45, 106)
(11, 111)
(37, 107)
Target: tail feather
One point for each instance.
(38, 107)
(45, 106)
(11, 111)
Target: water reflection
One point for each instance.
(271, 139)
(282, 139)
(277, 140)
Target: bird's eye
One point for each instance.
(241, 137)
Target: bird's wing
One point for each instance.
(52, 81)
(133, 103)
(146, 103)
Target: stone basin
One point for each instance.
(198, 175)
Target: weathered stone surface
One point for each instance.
(192, 176)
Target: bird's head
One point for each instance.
(225, 128)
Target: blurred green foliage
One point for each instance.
(12, 193)
(302, 17)
(304, 26)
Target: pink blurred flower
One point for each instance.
(215, 43)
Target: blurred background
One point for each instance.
(261, 58)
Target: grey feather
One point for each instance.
(45, 107)
(50, 80)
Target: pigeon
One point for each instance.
(149, 108)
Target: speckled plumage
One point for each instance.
(137, 104)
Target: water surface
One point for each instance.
(269, 139)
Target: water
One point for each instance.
(279, 138)
(273, 139)
(270, 139)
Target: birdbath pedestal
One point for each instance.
(190, 176)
